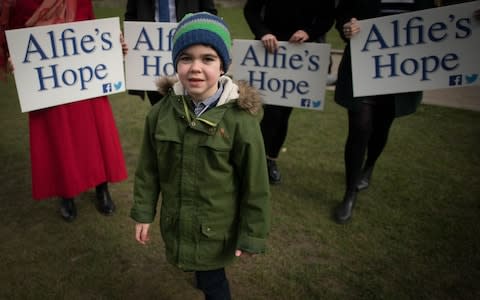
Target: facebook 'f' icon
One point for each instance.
(107, 88)
(455, 80)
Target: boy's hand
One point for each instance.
(239, 253)
(141, 233)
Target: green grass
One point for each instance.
(414, 233)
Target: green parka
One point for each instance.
(212, 175)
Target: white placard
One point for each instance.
(67, 62)
(149, 54)
(294, 76)
(422, 50)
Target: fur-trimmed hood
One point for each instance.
(247, 97)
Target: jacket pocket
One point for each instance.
(213, 243)
(216, 156)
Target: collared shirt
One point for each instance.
(201, 107)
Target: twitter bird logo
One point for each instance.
(471, 78)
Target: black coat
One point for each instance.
(144, 10)
(283, 18)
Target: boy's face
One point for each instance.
(199, 68)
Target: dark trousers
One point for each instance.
(368, 130)
(274, 126)
(214, 284)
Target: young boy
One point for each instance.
(203, 151)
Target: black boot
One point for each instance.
(68, 211)
(365, 178)
(105, 203)
(273, 172)
(343, 212)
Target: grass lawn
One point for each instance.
(415, 231)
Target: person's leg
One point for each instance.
(383, 116)
(105, 203)
(359, 131)
(274, 126)
(214, 284)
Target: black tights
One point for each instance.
(274, 126)
(368, 130)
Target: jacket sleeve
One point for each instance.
(254, 189)
(146, 187)
(322, 21)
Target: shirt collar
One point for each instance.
(209, 101)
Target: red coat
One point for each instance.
(75, 146)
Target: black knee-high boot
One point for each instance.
(68, 211)
(343, 212)
(365, 178)
(105, 203)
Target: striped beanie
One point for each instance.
(206, 29)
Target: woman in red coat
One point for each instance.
(74, 146)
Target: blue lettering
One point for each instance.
(426, 65)
(284, 86)
(143, 39)
(34, 47)
(437, 27)
(391, 65)
(171, 33)
(41, 77)
(167, 69)
(73, 77)
(314, 64)
(64, 41)
(250, 55)
(374, 36)
(85, 41)
(293, 60)
(409, 28)
(69, 77)
(405, 65)
(106, 38)
(463, 25)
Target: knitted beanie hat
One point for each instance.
(206, 29)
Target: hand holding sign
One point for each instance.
(351, 28)
(10, 67)
(270, 42)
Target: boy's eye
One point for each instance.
(210, 59)
(185, 58)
